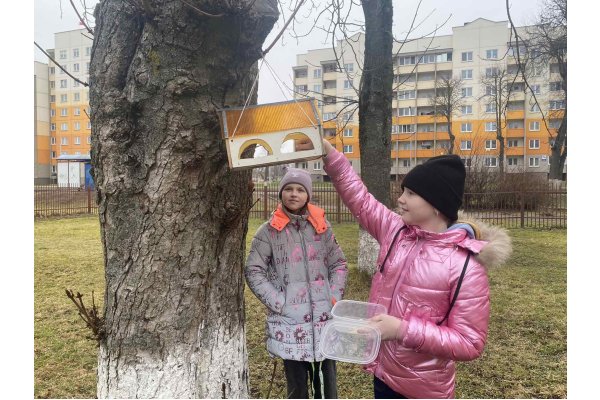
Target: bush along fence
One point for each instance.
(535, 208)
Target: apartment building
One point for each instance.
(473, 53)
(70, 128)
(41, 127)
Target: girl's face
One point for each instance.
(294, 196)
(415, 210)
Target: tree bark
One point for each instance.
(173, 217)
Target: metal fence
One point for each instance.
(525, 209)
(53, 200)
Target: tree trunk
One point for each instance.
(558, 155)
(173, 218)
(375, 112)
(450, 134)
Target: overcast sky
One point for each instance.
(53, 16)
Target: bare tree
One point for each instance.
(545, 43)
(498, 85)
(173, 217)
(447, 102)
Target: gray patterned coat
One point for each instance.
(298, 274)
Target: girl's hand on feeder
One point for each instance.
(303, 144)
(388, 326)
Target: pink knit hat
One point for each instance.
(299, 176)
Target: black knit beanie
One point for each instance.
(441, 182)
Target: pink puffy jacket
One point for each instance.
(417, 284)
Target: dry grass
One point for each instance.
(525, 356)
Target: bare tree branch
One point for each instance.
(60, 66)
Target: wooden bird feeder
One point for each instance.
(271, 126)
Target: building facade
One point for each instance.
(474, 53)
(70, 128)
(41, 113)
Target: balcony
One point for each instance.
(515, 133)
(428, 84)
(515, 114)
(327, 76)
(514, 151)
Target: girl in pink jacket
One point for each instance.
(431, 276)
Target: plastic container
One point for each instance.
(349, 337)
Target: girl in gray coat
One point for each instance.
(298, 271)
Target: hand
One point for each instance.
(327, 147)
(303, 144)
(388, 326)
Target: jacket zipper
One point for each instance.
(312, 322)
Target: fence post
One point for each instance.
(265, 202)
(89, 198)
(522, 194)
(338, 207)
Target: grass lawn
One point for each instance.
(525, 357)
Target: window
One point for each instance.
(62, 72)
(53, 154)
(317, 88)
(467, 56)
(63, 153)
(490, 108)
(407, 94)
(490, 127)
(77, 111)
(63, 83)
(516, 124)
(77, 127)
(303, 165)
(534, 161)
(466, 161)
(467, 92)
(554, 123)
(75, 53)
(77, 140)
(63, 98)
(52, 140)
(76, 97)
(64, 127)
(490, 90)
(301, 88)
(490, 144)
(52, 112)
(534, 108)
(64, 141)
(348, 148)
(395, 129)
(89, 140)
(347, 132)
(317, 73)
(427, 59)
(349, 67)
(557, 104)
(537, 89)
(491, 162)
(467, 110)
(62, 55)
(466, 127)
(317, 166)
(556, 86)
(534, 126)
(53, 127)
(408, 60)
(51, 69)
(467, 74)
(491, 72)
(52, 84)
(512, 143)
(76, 67)
(405, 162)
(410, 128)
(407, 112)
(87, 67)
(300, 73)
(466, 145)
(52, 98)
(534, 143)
(328, 116)
(491, 54)
(87, 51)
(348, 84)
(89, 126)
(513, 161)
(75, 83)
(347, 117)
(64, 112)
(77, 153)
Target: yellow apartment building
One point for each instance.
(70, 129)
(471, 52)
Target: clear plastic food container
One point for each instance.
(349, 337)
